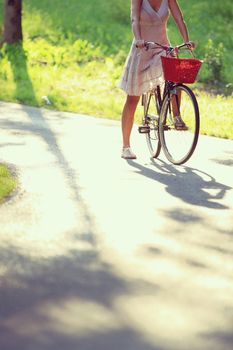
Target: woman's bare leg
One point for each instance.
(178, 121)
(128, 118)
(175, 106)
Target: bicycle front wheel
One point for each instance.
(151, 120)
(179, 143)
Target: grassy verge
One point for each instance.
(7, 182)
(76, 59)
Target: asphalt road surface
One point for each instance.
(99, 253)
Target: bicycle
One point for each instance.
(158, 123)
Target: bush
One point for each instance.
(214, 58)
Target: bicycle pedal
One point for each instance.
(144, 129)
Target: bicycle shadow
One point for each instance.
(188, 184)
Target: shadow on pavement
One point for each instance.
(227, 162)
(222, 339)
(65, 302)
(187, 184)
(68, 301)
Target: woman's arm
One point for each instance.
(135, 19)
(178, 18)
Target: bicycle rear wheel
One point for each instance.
(179, 144)
(151, 121)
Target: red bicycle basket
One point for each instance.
(180, 70)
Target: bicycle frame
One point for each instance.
(159, 97)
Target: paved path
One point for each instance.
(97, 253)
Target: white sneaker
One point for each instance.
(127, 153)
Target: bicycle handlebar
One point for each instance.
(169, 49)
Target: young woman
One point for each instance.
(143, 69)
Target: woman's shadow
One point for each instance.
(191, 185)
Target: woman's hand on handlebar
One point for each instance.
(191, 45)
(140, 44)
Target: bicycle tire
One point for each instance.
(151, 119)
(179, 145)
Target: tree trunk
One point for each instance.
(12, 21)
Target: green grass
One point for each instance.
(216, 114)
(7, 182)
(74, 52)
